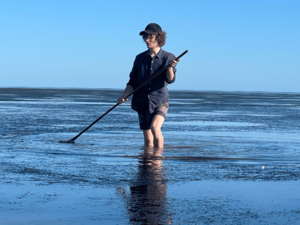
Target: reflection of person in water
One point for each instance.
(147, 201)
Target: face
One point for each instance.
(150, 40)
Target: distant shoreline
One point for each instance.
(120, 89)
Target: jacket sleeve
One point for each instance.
(133, 75)
(174, 70)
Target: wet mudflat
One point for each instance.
(229, 158)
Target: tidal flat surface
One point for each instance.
(229, 158)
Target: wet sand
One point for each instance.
(229, 158)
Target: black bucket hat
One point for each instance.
(151, 28)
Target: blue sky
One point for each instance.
(233, 45)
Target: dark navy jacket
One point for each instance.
(155, 92)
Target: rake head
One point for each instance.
(68, 141)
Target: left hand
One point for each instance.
(173, 62)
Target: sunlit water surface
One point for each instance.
(217, 145)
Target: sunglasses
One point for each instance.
(150, 36)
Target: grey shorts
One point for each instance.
(146, 118)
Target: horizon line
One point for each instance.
(120, 89)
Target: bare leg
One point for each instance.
(157, 122)
(148, 138)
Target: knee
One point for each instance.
(155, 131)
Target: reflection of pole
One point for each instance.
(147, 201)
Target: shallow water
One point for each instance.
(217, 146)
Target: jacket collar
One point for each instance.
(158, 55)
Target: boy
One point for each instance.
(152, 101)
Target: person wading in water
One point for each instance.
(152, 101)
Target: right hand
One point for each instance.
(122, 100)
(173, 62)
